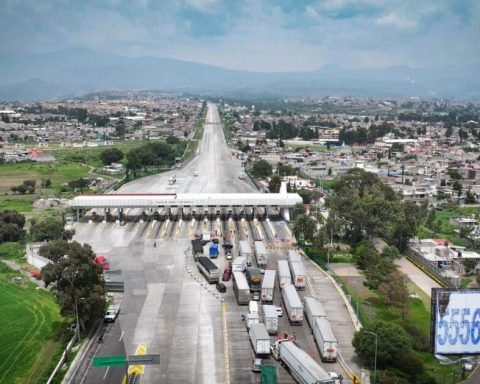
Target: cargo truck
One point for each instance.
(197, 248)
(283, 273)
(299, 276)
(245, 250)
(294, 256)
(253, 307)
(254, 278)
(303, 368)
(325, 338)
(293, 305)
(260, 254)
(241, 288)
(208, 269)
(251, 318)
(239, 264)
(260, 339)
(313, 309)
(269, 374)
(270, 318)
(268, 286)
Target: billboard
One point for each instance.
(455, 327)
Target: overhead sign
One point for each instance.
(109, 361)
(115, 286)
(144, 359)
(455, 327)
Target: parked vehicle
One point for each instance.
(293, 305)
(213, 251)
(221, 287)
(279, 311)
(313, 309)
(294, 256)
(297, 269)
(253, 307)
(270, 318)
(251, 318)
(197, 248)
(283, 273)
(337, 378)
(268, 286)
(239, 264)
(260, 254)
(241, 287)
(245, 250)
(254, 278)
(195, 174)
(303, 368)
(172, 179)
(241, 176)
(208, 269)
(257, 365)
(325, 338)
(260, 339)
(227, 273)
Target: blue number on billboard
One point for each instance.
(442, 324)
(476, 327)
(465, 325)
(452, 339)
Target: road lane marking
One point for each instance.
(106, 373)
(225, 344)
(121, 336)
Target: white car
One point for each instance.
(279, 311)
(195, 173)
(336, 376)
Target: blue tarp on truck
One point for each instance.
(214, 251)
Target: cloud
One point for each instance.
(269, 35)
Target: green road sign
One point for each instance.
(109, 361)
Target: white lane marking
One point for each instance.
(106, 372)
(121, 336)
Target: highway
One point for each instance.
(169, 307)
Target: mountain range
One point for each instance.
(76, 71)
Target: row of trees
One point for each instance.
(364, 135)
(28, 186)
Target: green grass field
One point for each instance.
(30, 320)
(313, 148)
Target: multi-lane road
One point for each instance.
(169, 308)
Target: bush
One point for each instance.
(421, 342)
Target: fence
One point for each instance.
(430, 268)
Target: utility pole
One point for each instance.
(376, 350)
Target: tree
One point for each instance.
(172, 140)
(75, 280)
(111, 155)
(80, 183)
(120, 129)
(308, 196)
(470, 198)
(366, 256)
(394, 290)
(392, 342)
(274, 184)
(379, 273)
(304, 227)
(432, 215)
(457, 186)
(391, 252)
(469, 265)
(48, 229)
(11, 226)
(261, 168)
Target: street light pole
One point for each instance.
(78, 322)
(375, 365)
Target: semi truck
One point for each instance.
(299, 275)
(197, 248)
(268, 286)
(254, 278)
(241, 288)
(239, 264)
(313, 309)
(260, 254)
(245, 250)
(283, 273)
(293, 305)
(250, 319)
(270, 318)
(325, 338)
(303, 368)
(294, 256)
(260, 339)
(208, 269)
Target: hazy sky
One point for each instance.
(253, 34)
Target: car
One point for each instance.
(215, 240)
(227, 273)
(468, 366)
(221, 287)
(262, 271)
(195, 173)
(257, 365)
(111, 315)
(279, 311)
(334, 375)
(72, 327)
(229, 255)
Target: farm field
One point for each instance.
(29, 336)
